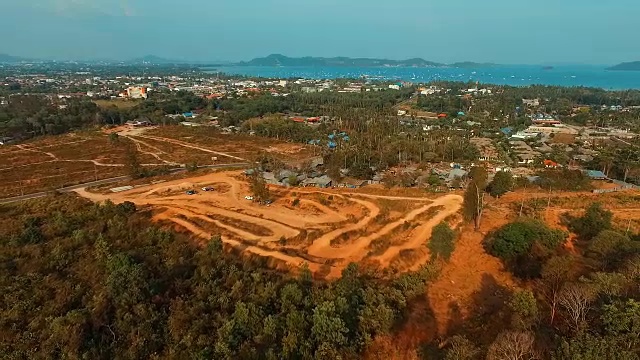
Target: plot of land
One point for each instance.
(56, 161)
(239, 145)
(327, 229)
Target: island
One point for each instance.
(626, 66)
(285, 61)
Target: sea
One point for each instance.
(513, 75)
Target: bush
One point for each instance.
(442, 241)
(517, 238)
(594, 220)
(295, 202)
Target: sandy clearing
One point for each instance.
(282, 222)
(451, 204)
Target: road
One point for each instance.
(105, 182)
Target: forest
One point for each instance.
(81, 280)
(100, 281)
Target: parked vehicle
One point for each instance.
(249, 197)
(191, 192)
(207, 188)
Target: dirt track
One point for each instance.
(244, 225)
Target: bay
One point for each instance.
(513, 75)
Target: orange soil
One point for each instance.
(283, 223)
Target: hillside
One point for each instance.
(627, 66)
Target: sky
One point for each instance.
(499, 31)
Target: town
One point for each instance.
(597, 135)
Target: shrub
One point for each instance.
(517, 238)
(594, 220)
(442, 241)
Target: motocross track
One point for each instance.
(286, 234)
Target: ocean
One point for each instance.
(514, 75)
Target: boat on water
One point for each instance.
(547, 68)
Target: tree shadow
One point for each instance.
(488, 314)
(419, 330)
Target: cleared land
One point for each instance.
(327, 229)
(53, 162)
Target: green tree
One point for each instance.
(594, 220)
(501, 184)
(132, 163)
(524, 308)
(622, 320)
(609, 248)
(517, 238)
(259, 188)
(442, 242)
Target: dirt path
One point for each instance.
(322, 247)
(227, 209)
(190, 146)
(154, 154)
(26, 148)
(451, 204)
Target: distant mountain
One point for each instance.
(473, 65)
(281, 60)
(627, 66)
(8, 59)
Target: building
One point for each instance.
(351, 183)
(531, 102)
(320, 182)
(135, 92)
(544, 119)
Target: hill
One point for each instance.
(281, 60)
(5, 58)
(627, 66)
(472, 65)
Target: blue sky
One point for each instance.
(502, 31)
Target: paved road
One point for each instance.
(105, 182)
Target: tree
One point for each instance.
(259, 188)
(594, 220)
(622, 320)
(442, 241)
(513, 345)
(609, 247)
(589, 347)
(501, 184)
(461, 349)
(517, 238)
(555, 273)
(132, 164)
(479, 175)
(524, 309)
(473, 205)
(576, 299)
